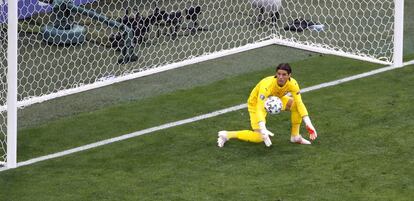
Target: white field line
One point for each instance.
(193, 119)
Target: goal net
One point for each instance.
(357, 29)
(3, 94)
(69, 46)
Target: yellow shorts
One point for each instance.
(254, 122)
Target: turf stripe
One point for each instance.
(196, 118)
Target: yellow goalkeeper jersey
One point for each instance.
(269, 87)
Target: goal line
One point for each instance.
(196, 118)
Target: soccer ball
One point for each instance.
(273, 105)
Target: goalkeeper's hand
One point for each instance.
(265, 134)
(312, 131)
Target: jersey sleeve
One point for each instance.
(295, 91)
(260, 110)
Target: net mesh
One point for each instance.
(3, 92)
(363, 28)
(74, 43)
(163, 33)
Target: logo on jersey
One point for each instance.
(262, 96)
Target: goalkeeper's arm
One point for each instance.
(304, 113)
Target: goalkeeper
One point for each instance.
(280, 85)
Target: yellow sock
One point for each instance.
(245, 135)
(294, 130)
(232, 134)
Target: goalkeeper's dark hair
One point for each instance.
(284, 66)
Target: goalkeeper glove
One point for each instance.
(265, 134)
(312, 131)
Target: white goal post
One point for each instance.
(61, 47)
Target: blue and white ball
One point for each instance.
(273, 105)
